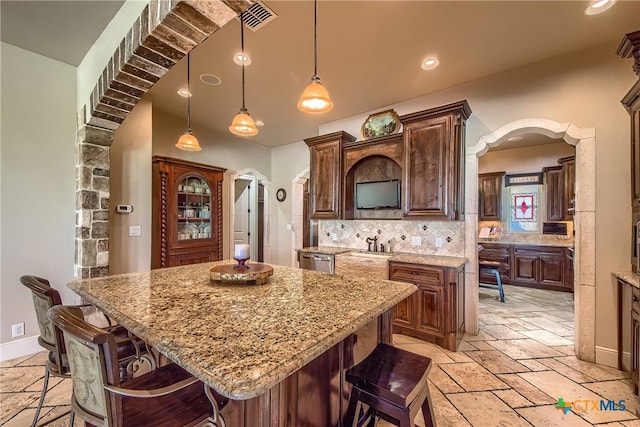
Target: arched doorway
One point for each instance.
(584, 218)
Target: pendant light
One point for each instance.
(242, 123)
(315, 98)
(188, 140)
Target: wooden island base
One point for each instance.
(316, 395)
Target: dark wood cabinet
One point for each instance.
(325, 175)
(187, 212)
(433, 167)
(569, 190)
(545, 267)
(630, 47)
(540, 267)
(554, 185)
(490, 196)
(436, 311)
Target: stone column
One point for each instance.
(92, 202)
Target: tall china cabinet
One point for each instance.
(187, 212)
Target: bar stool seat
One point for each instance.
(393, 384)
(492, 267)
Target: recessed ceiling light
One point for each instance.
(430, 63)
(259, 122)
(242, 58)
(210, 79)
(599, 6)
(514, 138)
(184, 92)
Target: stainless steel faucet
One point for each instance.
(373, 240)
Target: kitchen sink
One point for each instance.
(367, 254)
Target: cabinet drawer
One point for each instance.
(539, 250)
(635, 299)
(415, 273)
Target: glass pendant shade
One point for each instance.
(243, 124)
(315, 98)
(188, 142)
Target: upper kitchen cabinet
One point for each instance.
(560, 182)
(325, 176)
(433, 166)
(490, 196)
(630, 46)
(187, 212)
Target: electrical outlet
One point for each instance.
(134, 230)
(289, 227)
(438, 242)
(17, 330)
(334, 237)
(416, 240)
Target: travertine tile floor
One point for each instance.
(511, 374)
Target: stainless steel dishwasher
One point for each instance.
(315, 261)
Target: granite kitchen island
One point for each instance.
(278, 350)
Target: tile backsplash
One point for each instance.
(397, 236)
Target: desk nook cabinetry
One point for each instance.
(187, 212)
(427, 159)
(435, 312)
(490, 196)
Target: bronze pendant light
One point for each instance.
(243, 123)
(188, 140)
(315, 97)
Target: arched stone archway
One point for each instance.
(584, 218)
(163, 34)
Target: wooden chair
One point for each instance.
(165, 397)
(393, 384)
(132, 352)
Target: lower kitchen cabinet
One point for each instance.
(635, 336)
(435, 312)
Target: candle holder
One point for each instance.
(241, 263)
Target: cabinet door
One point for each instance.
(554, 182)
(190, 258)
(404, 313)
(635, 150)
(635, 348)
(490, 196)
(551, 270)
(427, 167)
(569, 168)
(525, 268)
(431, 310)
(325, 177)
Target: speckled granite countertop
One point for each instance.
(437, 260)
(241, 340)
(628, 276)
(506, 241)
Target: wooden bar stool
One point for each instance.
(393, 384)
(491, 267)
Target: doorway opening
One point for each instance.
(249, 219)
(583, 139)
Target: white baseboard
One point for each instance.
(609, 357)
(18, 348)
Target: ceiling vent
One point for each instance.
(257, 16)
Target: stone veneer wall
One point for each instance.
(165, 32)
(396, 235)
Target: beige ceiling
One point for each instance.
(370, 54)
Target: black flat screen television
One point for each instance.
(378, 194)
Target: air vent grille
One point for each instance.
(257, 16)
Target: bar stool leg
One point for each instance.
(427, 411)
(353, 408)
(499, 281)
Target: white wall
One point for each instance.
(38, 180)
(130, 184)
(525, 159)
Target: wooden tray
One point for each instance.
(254, 273)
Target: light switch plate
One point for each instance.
(134, 230)
(438, 242)
(289, 227)
(416, 240)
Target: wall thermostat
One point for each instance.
(124, 208)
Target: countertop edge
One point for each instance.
(627, 276)
(404, 257)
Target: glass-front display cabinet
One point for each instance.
(187, 212)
